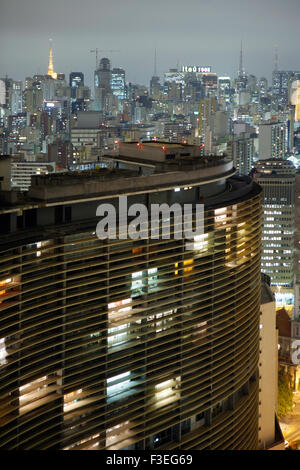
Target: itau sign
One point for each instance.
(196, 68)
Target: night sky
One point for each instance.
(200, 32)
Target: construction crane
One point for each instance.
(96, 51)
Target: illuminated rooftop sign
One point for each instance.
(196, 68)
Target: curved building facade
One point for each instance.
(130, 344)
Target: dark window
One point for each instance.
(5, 223)
(20, 222)
(199, 416)
(185, 427)
(68, 214)
(30, 218)
(58, 215)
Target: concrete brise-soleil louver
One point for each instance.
(130, 344)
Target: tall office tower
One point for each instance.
(281, 80)
(277, 178)
(294, 98)
(241, 149)
(83, 100)
(33, 97)
(2, 92)
(252, 83)
(263, 86)
(118, 84)
(174, 91)
(76, 80)
(210, 83)
(273, 139)
(102, 84)
(7, 84)
(155, 87)
(220, 122)
(206, 109)
(224, 87)
(48, 87)
(131, 343)
(192, 93)
(16, 98)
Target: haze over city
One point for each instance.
(190, 32)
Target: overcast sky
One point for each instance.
(188, 32)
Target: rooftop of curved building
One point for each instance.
(144, 171)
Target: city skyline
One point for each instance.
(215, 42)
(149, 226)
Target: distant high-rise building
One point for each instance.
(273, 139)
(33, 97)
(207, 107)
(263, 86)
(210, 84)
(277, 178)
(224, 87)
(6, 87)
(281, 80)
(2, 92)
(76, 79)
(16, 98)
(220, 124)
(118, 84)
(241, 148)
(102, 84)
(252, 83)
(295, 98)
(48, 86)
(155, 87)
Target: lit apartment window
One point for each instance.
(123, 383)
(3, 352)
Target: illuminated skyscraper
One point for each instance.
(295, 98)
(76, 80)
(277, 178)
(241, 148)
(263, 86)
(273, 139)
(207, 108)
(118, 85)
(224, 87)
(2, 92)
(281, 80)
(16, 98)
(102, 85)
